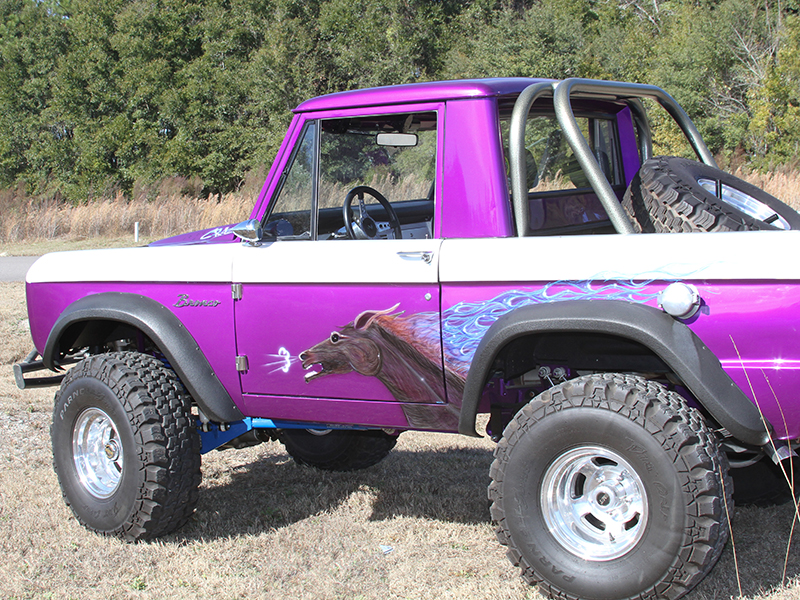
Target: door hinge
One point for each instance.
(236, 290)
(242, 364)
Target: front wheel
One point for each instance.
(125, 446)
(609, 487)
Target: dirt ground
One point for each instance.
(415, 526)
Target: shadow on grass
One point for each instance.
(273, 491)
(760, 536)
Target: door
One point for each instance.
(339, 311)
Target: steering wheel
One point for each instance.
(365, 227)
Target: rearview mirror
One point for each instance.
(404, 140)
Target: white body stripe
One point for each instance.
(202, 263)
(341, 261)
(710, 256)
(723, 256)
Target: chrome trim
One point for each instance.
(423, 255)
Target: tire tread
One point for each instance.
(679, 429)
(168, 445)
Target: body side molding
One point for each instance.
(158, 323)
(672, 341)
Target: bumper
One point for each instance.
(32, 363)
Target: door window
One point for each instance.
(383, 167)
(290, 218)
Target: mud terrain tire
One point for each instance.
(337, 449)
(125, 446)
(609, 486)
(665, 196)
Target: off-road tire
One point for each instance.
(337, 449)
(665, 197)
(653, 442)
(140, 480)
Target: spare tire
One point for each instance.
(672, 194)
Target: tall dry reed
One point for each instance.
(782, 184)
(34, 220)
(171, 211)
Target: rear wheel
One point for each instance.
(609, 486)
(337, 449)
(125, 446)
(672, 194)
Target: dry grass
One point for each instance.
(170, 210)
(782, 184)
(115, 217)
(266, 528)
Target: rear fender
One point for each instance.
(672, 341)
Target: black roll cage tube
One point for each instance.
(562, 93)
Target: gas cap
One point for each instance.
(680, 300)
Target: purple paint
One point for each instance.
(477, 173)
(212, 327)
(325, 410)
(212, 235)
(404, 354)
(627, 143)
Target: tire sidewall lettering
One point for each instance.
(102, 514)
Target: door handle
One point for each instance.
(424, 255)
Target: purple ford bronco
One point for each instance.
(424, 253)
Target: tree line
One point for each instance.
(98, 96)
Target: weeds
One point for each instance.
(788, 476)
(173, 207)
(167, 211)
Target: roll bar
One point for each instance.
(563, 93)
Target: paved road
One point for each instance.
(13, 268)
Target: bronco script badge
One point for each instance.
(183, 300)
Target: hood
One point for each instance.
(214, 235)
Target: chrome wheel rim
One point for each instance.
(745, 203)
(97, 452)
(594, 503)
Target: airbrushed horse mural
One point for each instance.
(404, 353)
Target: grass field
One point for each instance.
(268, 528)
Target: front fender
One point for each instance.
(672, 341)
(166, 331)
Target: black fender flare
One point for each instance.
(166, 331)
(672, 341)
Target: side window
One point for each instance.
(560, 196)
(393, 156)
(555, 164)
(290, 218)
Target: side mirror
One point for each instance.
(249, 231)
